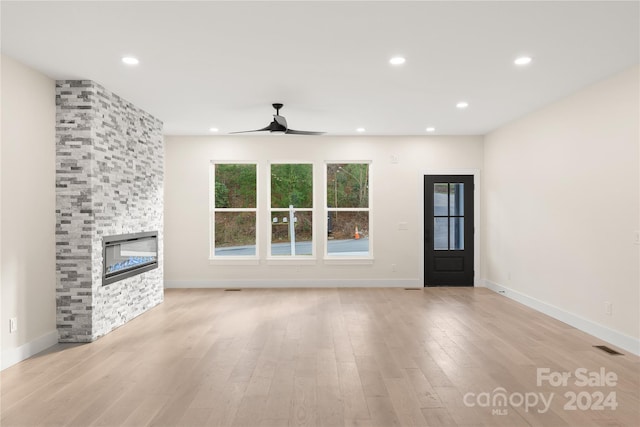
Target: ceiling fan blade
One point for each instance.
(303, 132)
(280, 120)
(257, 130)
(279, 125)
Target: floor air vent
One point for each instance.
(412, 289)
(232, 290)
(608, 350)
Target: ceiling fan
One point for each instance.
(279, 125)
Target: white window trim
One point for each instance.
(347, 259)
(289, 259)
(231, 260)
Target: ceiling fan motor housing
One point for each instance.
(275, 127)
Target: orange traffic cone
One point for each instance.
(357, 235)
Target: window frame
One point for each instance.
(297, 259)
(237, 259)
(348, 259)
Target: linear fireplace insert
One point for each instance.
(127, 255)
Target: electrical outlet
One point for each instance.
(608, 308)
(394, 158)
(394, 267)
(636, 237)
(13, 324)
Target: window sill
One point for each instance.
(337, 260)
(234, 261)
(291, 261)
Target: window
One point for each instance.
(291, 210)
(348, 210)
(234, 202)
(288, 220)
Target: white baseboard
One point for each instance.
(609, 335)
(15, 355)
(299, 283)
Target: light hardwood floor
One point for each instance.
(325, 357)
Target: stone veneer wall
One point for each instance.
(109, 180)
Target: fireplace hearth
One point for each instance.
(127, 255)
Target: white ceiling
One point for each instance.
(221, 64)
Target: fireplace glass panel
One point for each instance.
(131, 255)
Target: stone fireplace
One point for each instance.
(109, 182)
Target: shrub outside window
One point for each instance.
(348, 210)
(234, 210)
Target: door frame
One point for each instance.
(477, 281)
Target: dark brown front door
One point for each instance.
(448, 225)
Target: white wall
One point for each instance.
(561, 205)
(396, 197)
(27, 275)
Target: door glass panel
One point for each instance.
(440, 234)
(440, 206)
(456, 233)
(456, 199)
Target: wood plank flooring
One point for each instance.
(323, 357)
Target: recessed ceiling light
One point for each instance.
(213, 129)
(462, 105)
(397, 60)
(523, 60)
(130, 60)
(360, 130)
(430, 129)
